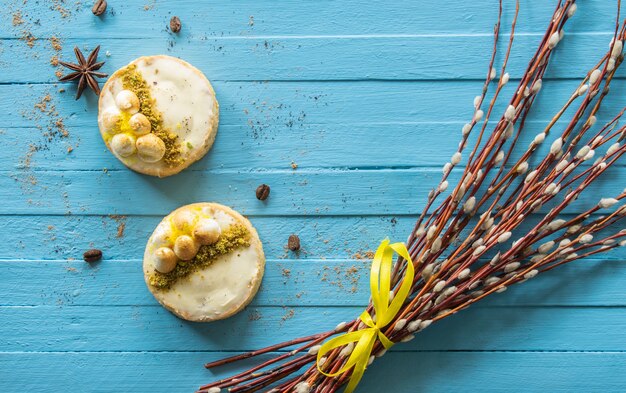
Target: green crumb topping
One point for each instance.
(133, 80)
(234, 237)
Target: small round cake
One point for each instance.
(158, 115)
(204, 262)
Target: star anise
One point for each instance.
(86, 71)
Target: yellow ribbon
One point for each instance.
(380, 285)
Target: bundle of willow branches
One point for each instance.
(504, 222)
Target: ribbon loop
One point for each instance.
(385, 311)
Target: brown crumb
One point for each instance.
(255, 315)
(369, 254)
(56, 43)
(61, 128)
(70, 149)
(121, 224)
(58, 5)
(17, 18)
(294, 166)
(54, 61)
(286, 272)
(290, 312)
(29, 38)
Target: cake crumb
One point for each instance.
(17, 18)
(255, 315)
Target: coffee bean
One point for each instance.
(175, 24)
(262, 192)
(93, 255)
(293, 243)
(99, 7)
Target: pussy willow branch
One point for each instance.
(463, 249)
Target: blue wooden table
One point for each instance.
(347, 110)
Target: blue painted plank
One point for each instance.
(141, 18)
(261, 104)
(412, 53)
(66, 237)
(294, 192)
(44, 237)
(320, 58)
(291, 283)
(130, 328)
(312, 146)
(425, 372)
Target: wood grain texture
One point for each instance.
(368, 99)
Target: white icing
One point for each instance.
(218, 289)
(185, 99)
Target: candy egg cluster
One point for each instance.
(189, 231)
(131, 130)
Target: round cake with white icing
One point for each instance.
(204, 262)
(158, 115)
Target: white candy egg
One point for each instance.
(140, 124)
(207, 231)
(185, 247)
(150, 148)
(165, 260)
(127, 101)
(109, 119)
(123, 145)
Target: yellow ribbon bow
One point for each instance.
(380, 285)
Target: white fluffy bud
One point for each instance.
(477, 101)
(607, 202)
(618, 46)
(504, 237)
(583, 151)
(466, 129)
(468, 206)
(586, 238)
(595, 76)
(553, 40)
(556, 146)
(509, 114)
(571, 10)
(614, 147)
(505, 79)
(499, 157)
